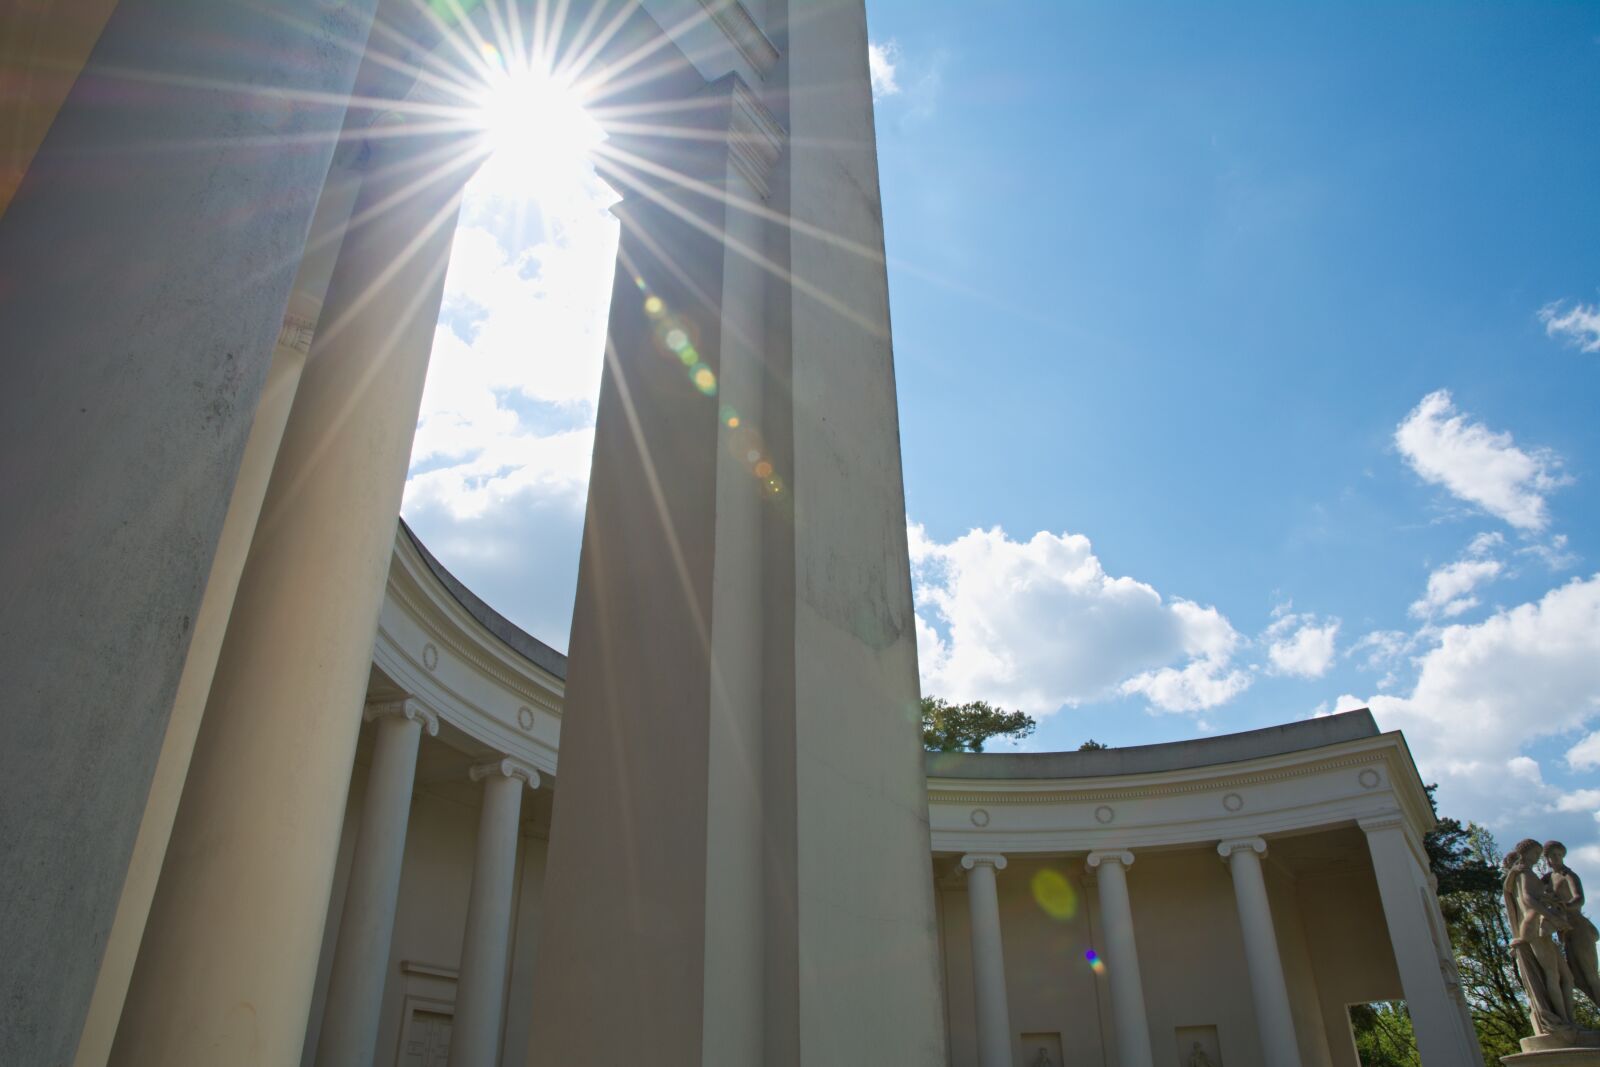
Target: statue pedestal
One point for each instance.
(1558, 1050)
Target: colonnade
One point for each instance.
(1398, 873)
(354, 1003)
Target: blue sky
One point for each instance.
(1249, 365)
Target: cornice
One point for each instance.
(1051, 793)
(447, 623)
(736, 22)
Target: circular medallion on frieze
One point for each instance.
(1368, 779)
(1233, 801)
(979, 817)
(1103, 814)
(525, 717)
(430, 656)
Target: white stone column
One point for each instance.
(1274, 1021)
(481, 989)
(988, 959)
(1122, 958)
(1443, 1039)
(228, 962)
(361, 958)
(142, 295)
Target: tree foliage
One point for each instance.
(1384, 1035)
(1092, 745)
(948, 727)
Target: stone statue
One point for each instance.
(1536, 918)
(1578, 940)
(1198, 1057)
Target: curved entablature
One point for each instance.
(1318, 774)
(441, 644)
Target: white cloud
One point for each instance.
(1578, 326)
(500, 462)
(1486, 690)
(1301, 645)
(1450, 588)
(1038, 624)
(1586, 753)
(1478, 465)
(882, 60)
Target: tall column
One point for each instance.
(743, 640)
(1122, 958)
(988, 959)
(1274, 1020)
(147, 258)
(481, 989)
(1443, 1037)
(361, 957)
(228, 962)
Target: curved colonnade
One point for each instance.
(1232, 894)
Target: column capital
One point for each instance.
(1227, 848)
(987, 859)
(505, 767)
(403, 708)
(1388, 820)
(1110, 855)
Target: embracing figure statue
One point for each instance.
(1578, 940)
(1552, 941)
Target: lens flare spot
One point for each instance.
(677, 340)
(653, 306)
(763, 469)
(733, 422)
(1096, 964)
(1054, 894)
(705, 381)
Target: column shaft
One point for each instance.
(147, 257)
(228, 962)
(361, 957)
(988, 961)
(1122, 960)
(1274, 1020)
(481, 989)
(1442, 1037)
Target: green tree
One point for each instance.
(948, 727)
(1481, 938)
(1384, 1036)
(1092, 745)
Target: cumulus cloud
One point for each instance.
(1578, 325)
(1039, 624)
(1301, 645)
(882, 62)
(1585, 754)
(500, 462)
(1477, 464)
(1486, 690)
(1450, 587)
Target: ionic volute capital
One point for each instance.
(504, 767)
(1227, 848)
(403, 708)
(1119, 856)
(985, 859)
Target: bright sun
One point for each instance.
(540, 137)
